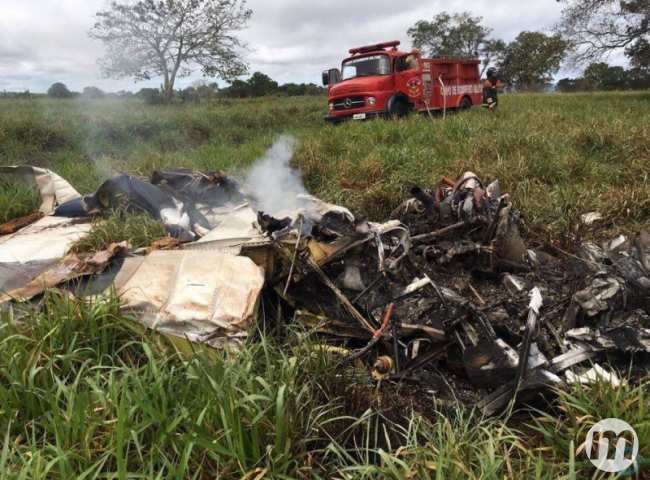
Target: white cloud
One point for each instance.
(43, 41)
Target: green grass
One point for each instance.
(558, 155)
(84, 393)
(139, 229)
(17, 199)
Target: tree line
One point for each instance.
(601, 76)
(531, 60)
(258, 85)
(526, 63)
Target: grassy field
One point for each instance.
(84, 394)
(557, 155)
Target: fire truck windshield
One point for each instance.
(366, 66)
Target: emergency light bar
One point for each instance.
(371, 48)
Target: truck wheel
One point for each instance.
(465, 103)
(398, 107)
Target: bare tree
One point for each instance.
(598, 27)
(171, 39)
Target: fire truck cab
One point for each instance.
(380, 80)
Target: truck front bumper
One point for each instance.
(355, 116)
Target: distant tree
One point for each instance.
(457, 35)
(197, 93)
(92, 92)
(292, 89)
(638, 78)
(313, 89)
(59, 90)
(237, 89)
(492, 53)
(171, 38)
(600, 76)
(567, 85)
(261, 84)
(598, 27)
(188, 94)
(207, 92)
(531, 59)
(151, 96)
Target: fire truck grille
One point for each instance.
(349, 103)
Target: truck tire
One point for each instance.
(465, 103)
(398, 107)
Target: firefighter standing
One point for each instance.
(490, 100)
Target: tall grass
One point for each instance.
(558, 155)
(17, 200)
(84, 393)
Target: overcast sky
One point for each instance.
(43, 41)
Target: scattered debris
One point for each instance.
(12, 226)
(446, 295)
(71, 267)
(594, 375)
(29, 252)
(591, 218)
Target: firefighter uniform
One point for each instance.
(490, 99)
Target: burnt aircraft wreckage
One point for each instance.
(445, 294)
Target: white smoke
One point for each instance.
(275, 186)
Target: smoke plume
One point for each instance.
(272, 182)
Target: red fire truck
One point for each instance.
(380, 80)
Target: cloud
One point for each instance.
(43, 41)
(297, 39)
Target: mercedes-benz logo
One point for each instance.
(348, 102)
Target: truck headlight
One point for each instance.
(371, 101)
(331, 106)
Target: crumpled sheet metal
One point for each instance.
(71, 267)
(604, 293)
(595, 374)
(315, 208)
(53, 189)
(234, 227)
(620, 280)
(203, 296)
(33, 250)
(49, 238)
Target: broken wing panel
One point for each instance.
(49, 238)
(71, 267)
(204, 296)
